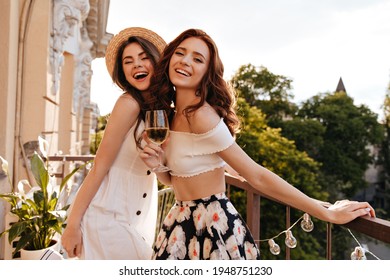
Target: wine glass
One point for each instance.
(157, 130)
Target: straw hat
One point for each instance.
(124, 35)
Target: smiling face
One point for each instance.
(137, 66)
(189, 63)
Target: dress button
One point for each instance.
(138, 213)
(148, 172)
(145, 194)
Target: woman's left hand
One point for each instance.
(345, 211)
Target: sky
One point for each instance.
(314, 43)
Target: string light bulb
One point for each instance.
(273, 247)
(306, 223)
(290, 240)
(358, 254)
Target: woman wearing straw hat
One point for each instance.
(203, 223)
(114, 213)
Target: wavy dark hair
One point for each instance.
(118, 77)
(213, 88)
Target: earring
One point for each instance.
(197, 93)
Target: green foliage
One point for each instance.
(332, 136)
(347, 132)
(333, 132)
(265, 90)
(96, 139)
(384, 160)
(40, 212)
(267, 147)
(252, 124)
(98, 135)
(308, 134)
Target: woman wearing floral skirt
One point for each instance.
(203, 223)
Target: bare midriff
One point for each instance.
(199, 186)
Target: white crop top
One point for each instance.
(189, 154)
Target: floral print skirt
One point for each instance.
(202, 229)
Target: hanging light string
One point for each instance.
(280, 233)
(361, 247)
(290, 241)
(307, 225)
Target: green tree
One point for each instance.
(308, 134)
(349, 131)
(267, 147)
(386, 142)
(333, 132)
(269, 92)
(384, 160)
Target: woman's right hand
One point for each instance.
(151, 154)
(72, 241)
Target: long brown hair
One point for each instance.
(118, 77)
(213, 88)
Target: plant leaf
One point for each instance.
(39, 171)
(16, 229)
(12, 198)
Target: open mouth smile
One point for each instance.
(140, 75)
(183, 72)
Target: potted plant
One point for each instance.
(41, 213)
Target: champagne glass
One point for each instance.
(157, 130)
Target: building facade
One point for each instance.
(46, 51)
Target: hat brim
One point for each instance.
(123, 36)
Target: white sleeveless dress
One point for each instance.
(120, 221)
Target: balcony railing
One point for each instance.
(65, 160)
(375, 228)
